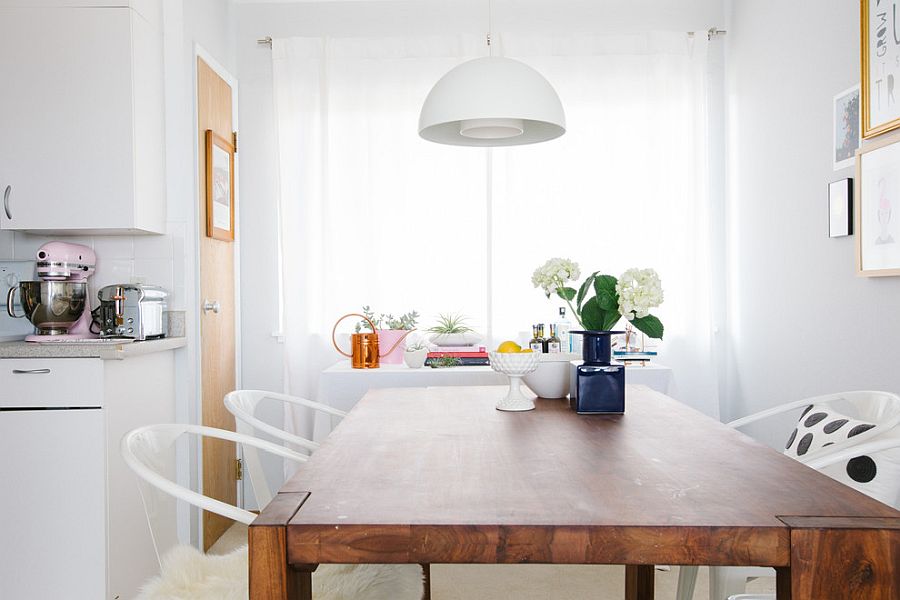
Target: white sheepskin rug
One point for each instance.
(187, 573)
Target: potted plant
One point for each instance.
(392, 332)
(415, 354)
(451, 330)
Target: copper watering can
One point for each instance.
(364, 353)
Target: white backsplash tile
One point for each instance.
(154, 271)
(114, 247)
(6, 245)
(177, 299)
(153, 246)
(110, 272)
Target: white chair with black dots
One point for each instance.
(828, 436)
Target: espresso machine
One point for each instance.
(58, 304)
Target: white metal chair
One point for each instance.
(217, 576)
(243, 404)
(878, 415)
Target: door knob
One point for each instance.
(211, 305)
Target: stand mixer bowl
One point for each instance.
(53, 307)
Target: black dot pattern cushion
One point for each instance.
(821, 426)
(821, 430)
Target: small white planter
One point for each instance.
(415, 359)
(470, 338)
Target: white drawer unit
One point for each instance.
(72, 522)
(51, 382)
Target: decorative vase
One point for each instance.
(415, 359)
(392, 343)
(597, 382)
(468, 338)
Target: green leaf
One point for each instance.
(592, 316)
(612, 317)
(605, 288)
(566, 293)
(583, 290)
(650, 325)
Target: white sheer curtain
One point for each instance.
(373, 215)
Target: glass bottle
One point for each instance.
(563, 327)
(553, 343)
(536, 344)
(543, 339)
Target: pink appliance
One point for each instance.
(73, 263)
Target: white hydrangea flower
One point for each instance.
(639, 290)
(554, 274)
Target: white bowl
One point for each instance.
(551, 378)
(469, 338)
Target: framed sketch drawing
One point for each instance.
(219, 187)
(878, 208)
(845, 128)
(840, 208)
(880, 58)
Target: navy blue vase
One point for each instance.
(598, 382)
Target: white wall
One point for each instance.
(801, 322)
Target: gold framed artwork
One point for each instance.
(219, 187)
(878, 208)
(880, 68)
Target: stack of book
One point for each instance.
(464, 355)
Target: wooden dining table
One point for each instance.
(437, 475)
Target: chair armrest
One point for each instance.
(854, 451)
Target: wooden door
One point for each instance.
(217, 344)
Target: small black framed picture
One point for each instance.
(840, 208)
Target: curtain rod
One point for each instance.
(712, 32)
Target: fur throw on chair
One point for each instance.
(188, 574)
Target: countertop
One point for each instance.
(112, 351)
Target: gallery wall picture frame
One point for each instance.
(880, 68)
(219, 187)
(840, 208)
(877, 210)
(845, 128)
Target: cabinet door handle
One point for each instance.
(6, 193)
(31, 371)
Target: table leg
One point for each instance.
(843, 558)
(639, 582)
(271, 576)
(426, 576)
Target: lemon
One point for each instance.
(508, 347)
(523, 350)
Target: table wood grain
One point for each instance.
(437, 475)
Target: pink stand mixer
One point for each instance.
(58, 305)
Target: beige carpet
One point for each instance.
(531, 582)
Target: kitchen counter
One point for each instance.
(112, 351)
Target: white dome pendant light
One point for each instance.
(492, 101)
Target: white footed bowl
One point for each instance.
(515, 365)
(551, 378)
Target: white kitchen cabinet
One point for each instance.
(71, 514)
(81, 120)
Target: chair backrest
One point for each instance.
(144, 450)
(827, 421)
(243, 404)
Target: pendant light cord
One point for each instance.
(490, 28)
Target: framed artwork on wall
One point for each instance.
(840, 208)
(845, 128)
(878, 208)
(880, 58)
(219, 187)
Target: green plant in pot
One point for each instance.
(415, 354)
(392, 332)
(452, 330)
